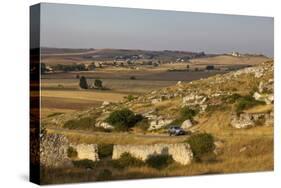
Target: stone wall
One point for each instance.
(181, 152)
(53, 151)
(87, 151)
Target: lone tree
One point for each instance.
(210, 67)
(98, 83)
(43, 68)
(83, 83)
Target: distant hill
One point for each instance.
(113, 54)
(231, 60)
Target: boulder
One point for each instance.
(105, 103)
(187, 124)
(154, 101)
(267, 98)
(242, 121)
(257, 96)
(104, 125)
(179, 83)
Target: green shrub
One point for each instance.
(143, 124)
(105, 174)
(130, 97)
(105, 150)
(123, 119)
(185, 113)
(127, 160)
(188, 113)
(231, 98)
(71, 152)
(98, 83)
(159, 161)
(247, 102)
(85, 163)
(201, 144)
(86, 123)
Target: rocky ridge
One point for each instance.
(161, 107)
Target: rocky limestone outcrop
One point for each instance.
(242, 121)
(248, 120)
(53, 151)
(187, 124)
(267, 98)
(180, 152)
(158, 123)
(87, 151)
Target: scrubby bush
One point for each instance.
(143, 124)
(185, 113)
(98, 83)
(210, 67)
(123, 119)
(105, 174)
(86, 123)
(132, 77)
(71, 152)
(188, 113)
(231, 98)
(105, 150)
(159, 161)
(85, 163)
(130, 97)
(127, 160)
(201, 144)
(247, 102)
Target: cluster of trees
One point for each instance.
(84, 84)
(71, 67)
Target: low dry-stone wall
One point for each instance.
(87, 151)
(181, 152)
(53, 151)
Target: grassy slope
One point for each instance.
(244, 150)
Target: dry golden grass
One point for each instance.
(229, 60)
(260, 109)
(244, 150)
(84, 95)
(115, 138)
(257, 156)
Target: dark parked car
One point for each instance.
(176, 131)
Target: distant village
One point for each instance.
(136, 62)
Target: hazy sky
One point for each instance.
(77, 26)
